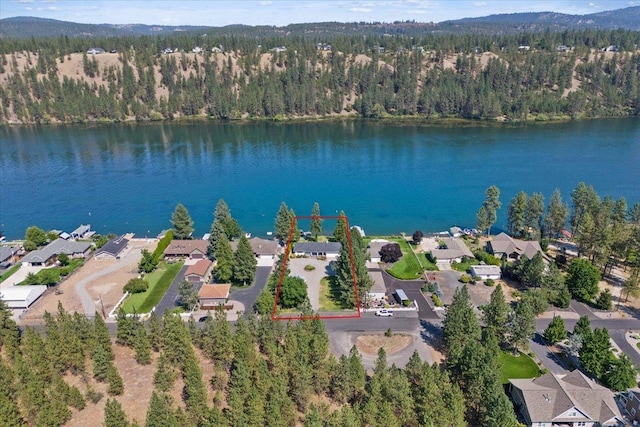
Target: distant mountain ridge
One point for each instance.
(627, 18)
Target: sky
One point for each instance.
(284, 12)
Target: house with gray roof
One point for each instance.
(112, 249)
(46, 255)
(506, 246)
(317, 249)
(572, 400)
(453, 250)
(7, 253)
(379, 289)
(374, 248)
(262, 248)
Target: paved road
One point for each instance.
(247, 296)
(546, 356)
(169, 299)
(413, 290)
(581, 309)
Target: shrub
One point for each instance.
(465, 278)
(407, 303)
(163, 244)
(94, 396)
(487, 258)
(136, 286)
(490, 282)
(431, 258)
(63, 259)
(64, 271)
(388, 333)
(604, 300)
(309, 267)
(436, 300)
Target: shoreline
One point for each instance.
(350, 117)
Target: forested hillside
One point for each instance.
(519, 77)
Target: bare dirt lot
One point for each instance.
(105, 290)
(370, 344)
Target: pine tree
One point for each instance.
(155, 332)
(224, 260)
(222, 213)
(142, 346)
(215, 235)
(557, 214)
(488, 213)
(316, 221)
(496, 314)
(340, 232)
(194, 392)
(582, 326)
(245, 263)
(116, 386)
(126, 329)
(282, 225)
(164, 377)
(114, 415)
(522, 325)
(515, 215)
(182, 223)
(621, 374)
(160, 413)
(595, 352)
(460, 327)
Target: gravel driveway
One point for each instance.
(312, 278)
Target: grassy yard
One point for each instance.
(464, 267)
(159, 281)
(408, 267)
(9, 272)
(328, 299)
(428, 265)
(53, 274)
(520, 366)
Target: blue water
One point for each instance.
(387, 178)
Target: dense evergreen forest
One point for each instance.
(526, 76)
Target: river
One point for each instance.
(388, 177)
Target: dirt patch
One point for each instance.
(369, 344)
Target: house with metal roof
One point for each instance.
(46, 255)
(81, 232)
(317, 249)
(113, 248)
(572, 400)
(21, 296)
(484, 272)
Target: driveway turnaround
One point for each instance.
(247, 296)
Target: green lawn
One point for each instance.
(159, 281)
(9, 272)
(328, 300)
(521, 366)
(54, 273)
(408, 267)
(464, 267)
(428, 265)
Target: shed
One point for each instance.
(21, 296)
(484, 272)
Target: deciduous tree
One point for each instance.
(390, 252)
(36, 235)
(621, 374)
(595, 353)
(522, 325)
(188, 294)
(556, 331)
(582, 279)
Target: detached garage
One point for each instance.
(21, 296)
(484, 272)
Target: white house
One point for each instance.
(316, 249)
(484, 272)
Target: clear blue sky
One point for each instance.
(283, 12)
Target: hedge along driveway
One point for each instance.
(159, 281)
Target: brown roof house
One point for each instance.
(572, 400)
(200, 272)
(193, 249)
(506, 246)
(454, 250)
(212, 296)
(262, 249)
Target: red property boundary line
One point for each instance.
(283, 268)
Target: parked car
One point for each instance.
(384, 313)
